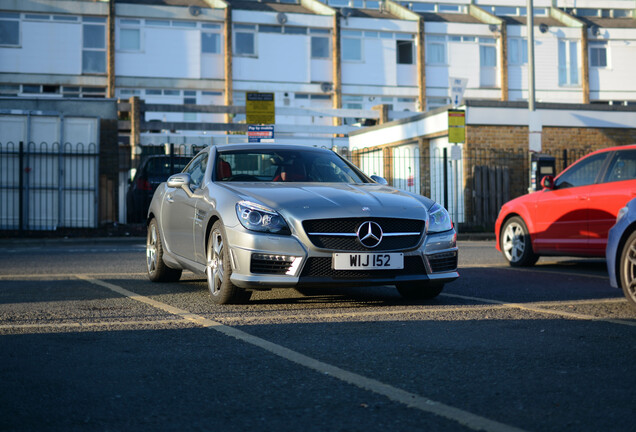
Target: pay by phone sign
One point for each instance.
(260, 134)
(456, 126)
(259, 108)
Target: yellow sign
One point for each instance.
(456, 126)
(259, 108)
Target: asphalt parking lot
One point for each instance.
(88, 343)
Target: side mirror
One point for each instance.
(547, 182)
(179, 180)
(379, 179)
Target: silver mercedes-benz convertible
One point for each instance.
(255, 217)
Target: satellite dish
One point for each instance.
(281, 17)
(493, 28)
(194, 10)
(543, 28)
(326, 87)
(346, 12)
(595, 30)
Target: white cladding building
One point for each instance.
(352, 54)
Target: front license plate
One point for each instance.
(368, 261)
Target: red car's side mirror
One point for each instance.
(547, 182)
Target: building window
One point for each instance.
(9, 29)
(404, 50)
(487, 62)
(94, 45)
(568, 62)
(129, 35)
(266, 28)
(517, 51)
(351, 45)
(352, 102)
(190, 97)
(598, 54)
(210, 43)
(244, 40)
(320, 47)
(436, 50)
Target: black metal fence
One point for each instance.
(472, 184)
(46, 186)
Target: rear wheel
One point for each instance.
(627, 269)
(424, 291)
(219, 269)
(158, 271)
(515, 243)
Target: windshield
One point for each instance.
(285, 166)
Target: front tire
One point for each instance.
(219, 270)
(515, 243)
(627, 269)
(158, 271)
(426, 291)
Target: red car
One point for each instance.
(573, 213)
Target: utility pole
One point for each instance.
(534, 121)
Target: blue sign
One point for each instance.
(260, 133)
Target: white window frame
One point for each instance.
(397, 51)
(245, 29)
(566, 48)
(319, 34)
(12, 17)
(598, 46)
(129, 24)
(352, 35)
(95, 22)
(517, 56)
(436, 41)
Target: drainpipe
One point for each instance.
(229, 84)
(110, 55)
(336, 58)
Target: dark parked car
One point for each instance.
(152, 171)
(621, 252)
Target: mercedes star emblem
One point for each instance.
(370, 234)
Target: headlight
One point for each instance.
(438, 219)
(257, 217)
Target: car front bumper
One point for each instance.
(262, 261)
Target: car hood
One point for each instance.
(315, 201)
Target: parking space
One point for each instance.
(500, 349)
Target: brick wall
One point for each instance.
(506, 146)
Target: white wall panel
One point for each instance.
(166, 52)
(46, 47)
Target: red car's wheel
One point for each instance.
(515, 243)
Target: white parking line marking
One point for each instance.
(84, 324)
(541, 310)
(395, 394)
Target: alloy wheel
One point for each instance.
(151, 249)
(629, 271)
(513, 242)
(214, 268)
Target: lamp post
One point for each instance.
(534, 121)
